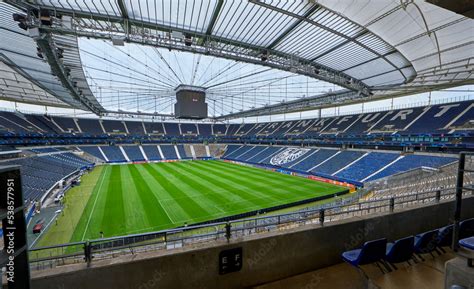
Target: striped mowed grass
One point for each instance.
(137, 198)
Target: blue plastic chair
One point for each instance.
(371, 252)
(466, 229)
(426, 243)
(445, 237)
(468, 244)
(400, 251)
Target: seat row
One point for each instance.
(387, 254)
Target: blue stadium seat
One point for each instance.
(90, 126)
(169, 152)
(134, 153)
(135, 127)
(467, 243)
(314, 159)
(426, 242)
(92, 150)
(218, 129)
(445, 236)
(152, 152)
(400, 251)
(371, 251)
(338, 162)
(205, 129)
(466, 228)
(187, 129)
(154, 128)
(368, 165)
(113, 126)
(113, 153)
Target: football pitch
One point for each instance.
(137, 198)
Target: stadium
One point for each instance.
(248, 144)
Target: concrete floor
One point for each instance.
(424, 275)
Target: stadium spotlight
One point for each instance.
(118, 41)
(188, 41)
(21, 19)
(264, 55)
(39, 53)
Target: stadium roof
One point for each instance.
(367, 49)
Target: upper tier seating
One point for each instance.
(91, 126)
(66, 124)
(188, 129)
(135, 127)
(154, 128)
(113, 126)
(435, 119)
(172, 129)
(217, 129)
(44, 123)
(204, 129)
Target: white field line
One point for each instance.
(164, 209)
(93, 206)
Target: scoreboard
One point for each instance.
(190, 102)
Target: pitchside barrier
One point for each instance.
(49, 257)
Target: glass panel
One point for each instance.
(107, 7)
(251, 23)
(194, 15)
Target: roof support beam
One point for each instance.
(215, 14)
(124, 12)
(44, 43)
(309, 103)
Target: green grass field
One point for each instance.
(128, 199)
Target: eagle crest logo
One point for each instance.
(288, 155)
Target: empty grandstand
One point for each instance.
(237, 144)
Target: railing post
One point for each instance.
(88, 253)
(228, 231)
(438, 196)
(321, 216)
(457, 211)
(392, 204)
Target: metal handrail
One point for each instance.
(224, 230)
